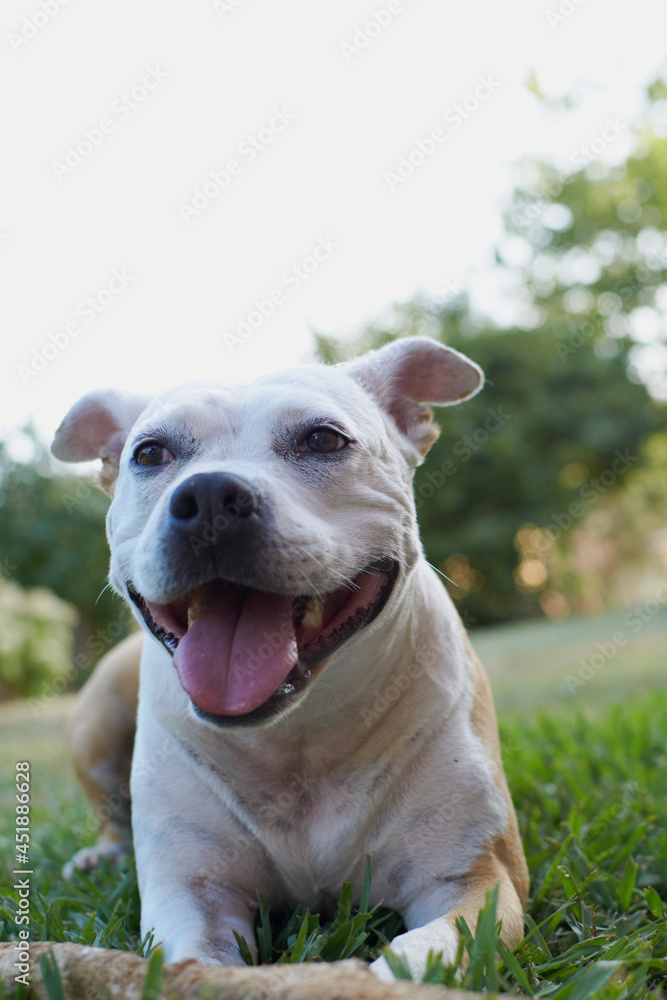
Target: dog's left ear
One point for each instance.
(97, 427)
(406, 376)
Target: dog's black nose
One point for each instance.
(210, 495)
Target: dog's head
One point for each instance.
(257, 528)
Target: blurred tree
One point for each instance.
(619, 551)
(52, 535)
(555, 434)
(36, 641)
(539, 438)
(561, 421)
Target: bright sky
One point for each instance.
(115, 112)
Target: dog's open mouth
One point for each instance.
(242, 653)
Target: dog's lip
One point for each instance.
(314, 655)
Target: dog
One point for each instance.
(307, 692)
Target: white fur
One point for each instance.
(292, 807)
(438, 936)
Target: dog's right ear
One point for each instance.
(97, 427)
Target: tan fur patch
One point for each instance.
(426, 433)
(108, 474)
(482, 877)
(101, 736)
(507, 848)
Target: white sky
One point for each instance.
(321, 178)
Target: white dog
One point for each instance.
(307, 691)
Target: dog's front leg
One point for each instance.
(192, 887)
(198, 867)
(196, 918)
(429, 931)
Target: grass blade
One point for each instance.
(246, 954)
(398, 965)
(627, 884)
(512, 963)
(589, 984)
(366, 888)
(153, 980)
(654, 903)
(264, 933)
(51, 977)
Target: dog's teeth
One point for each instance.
(314, 613)
(193, 611)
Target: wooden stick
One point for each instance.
(88, 972)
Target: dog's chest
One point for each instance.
(312, 822)
(313, 834)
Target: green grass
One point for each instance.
(589, 781)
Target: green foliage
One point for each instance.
(51, 977)
(300, 935)
(101, 910)
(36, 639)
(590, 799)
(498, 462)
(589, 793)
(52, 533)
(566, 388)
(591, 806)
(644, 494)
(593, 256)
(151, 986)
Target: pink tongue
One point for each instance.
(239, 649)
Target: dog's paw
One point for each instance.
(90, 857)
(414, 946)
(380, 968)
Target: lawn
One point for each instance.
(588, 773)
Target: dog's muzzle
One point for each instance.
(242, 652)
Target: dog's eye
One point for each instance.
(323, 440)
(152, 454)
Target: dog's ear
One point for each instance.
(97, 427)
(406, 376)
